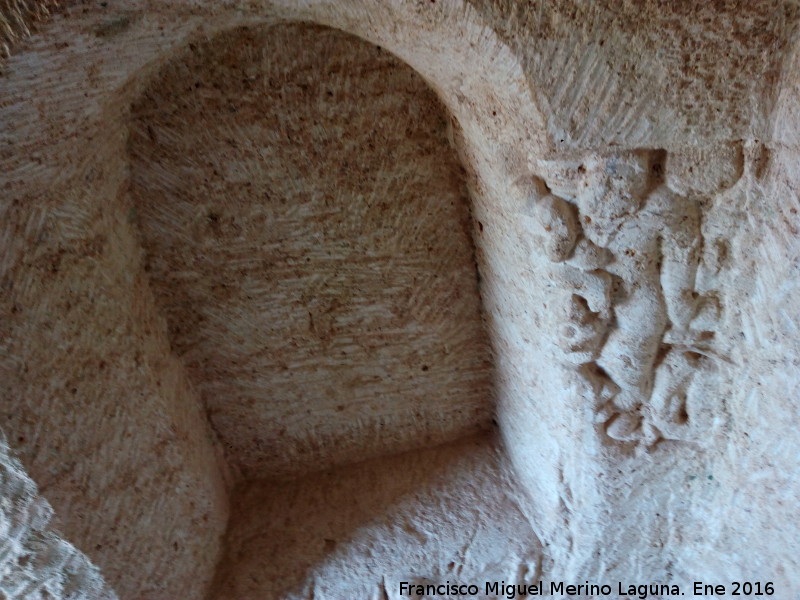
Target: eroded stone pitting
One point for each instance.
(640, 325)
(307, 235)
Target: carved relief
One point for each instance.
(629, 234)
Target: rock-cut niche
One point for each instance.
(306, 232)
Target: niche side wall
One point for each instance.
(95, 406)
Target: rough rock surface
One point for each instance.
(632, 184)
(34, 561)
(307, 237)
(433, 515)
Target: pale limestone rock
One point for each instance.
(557, 219)
(34, 561)
(236, 249)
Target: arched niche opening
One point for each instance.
(307, 237)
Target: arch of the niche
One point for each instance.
(282, 55)
(482, 85)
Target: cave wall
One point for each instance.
(99, 412)
(633, 188)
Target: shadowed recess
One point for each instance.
(306, 228)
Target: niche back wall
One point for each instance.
(307, 236)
